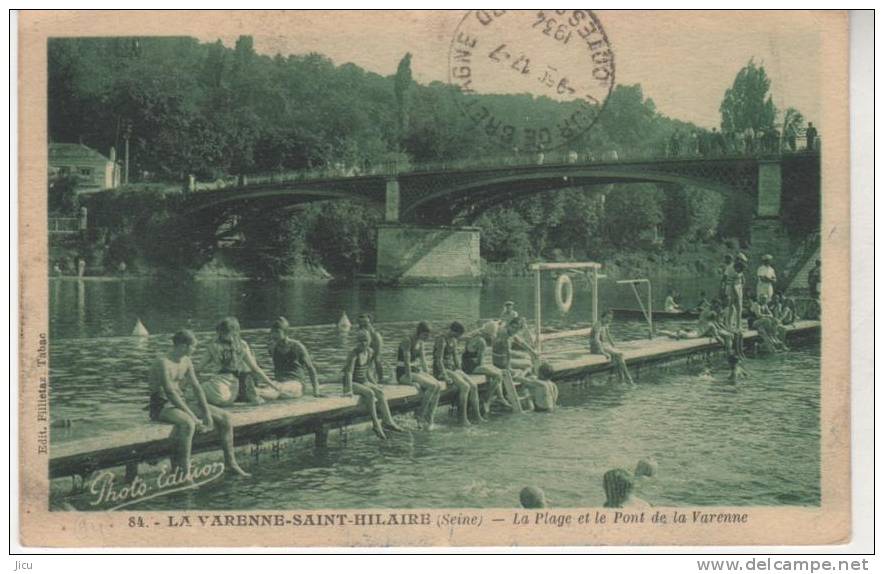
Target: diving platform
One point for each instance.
(147, 442)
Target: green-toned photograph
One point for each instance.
(522, 261)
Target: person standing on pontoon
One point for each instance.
(356, 381)
(292, 364)
(446, 367)
(733, 280)
(509, 313)
(167, 376)
(602, 343)
(411, 369)
(767, 278)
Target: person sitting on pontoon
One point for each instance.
(446, 367)
(669, 305)
(292, 364)
(356, 381)
(365, 323)
(519, 361)
(473, 363)
(232, 364)
(703, 304)
(602, 343)
(167, 376)
(706, 327)
(411, 369)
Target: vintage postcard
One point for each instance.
(434, 278)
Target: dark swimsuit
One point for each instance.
(470, 359)
(400, 362)
(157, 403)
(288, 362)
(449, 358)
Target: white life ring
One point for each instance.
(564, 293)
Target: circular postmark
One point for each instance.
(531, 80)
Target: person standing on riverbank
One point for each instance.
(356, 382)
(377, 346)
(411, 369)
(166, 377)
(446, 367)
(292, 364)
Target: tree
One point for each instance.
(747, 104)
(274, 243)
(505, 235)
(631, 212)
(402, 88)
(342, 236)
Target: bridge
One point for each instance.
(420, 203)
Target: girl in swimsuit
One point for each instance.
(446, 366)
(411, 369)
(472, 362)
(356, 381)
(231, 360)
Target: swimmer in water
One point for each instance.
(619, 486)
(532, 497)
(356, 381)
(736, 369)
(646, 467)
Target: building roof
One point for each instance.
(74, 151)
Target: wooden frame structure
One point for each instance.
(538, 269)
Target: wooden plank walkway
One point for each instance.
(148, 441)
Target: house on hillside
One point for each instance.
(93, 170)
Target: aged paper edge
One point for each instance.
(828, 524)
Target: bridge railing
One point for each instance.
(556, 157)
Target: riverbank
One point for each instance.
(686, 261)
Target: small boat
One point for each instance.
(139, 330)
(638, 314)
(344, 322)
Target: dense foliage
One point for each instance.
(209, 110)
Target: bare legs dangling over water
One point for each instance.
(411, 369)
(447, 366)
(167, 375)
(356, 382)
(602, 343)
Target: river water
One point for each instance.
(716, 444)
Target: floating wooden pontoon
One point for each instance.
(149, 441)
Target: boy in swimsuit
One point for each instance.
(602, 343)
(411, 369)
(168, 374)
(292, 364)
(472, 362)
(446, 367)
(377, 346)
(356, 381)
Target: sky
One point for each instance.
(684, 60)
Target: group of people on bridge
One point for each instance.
(747, 142)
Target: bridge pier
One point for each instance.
(391, 201)
(768, 234)
(416, 254)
